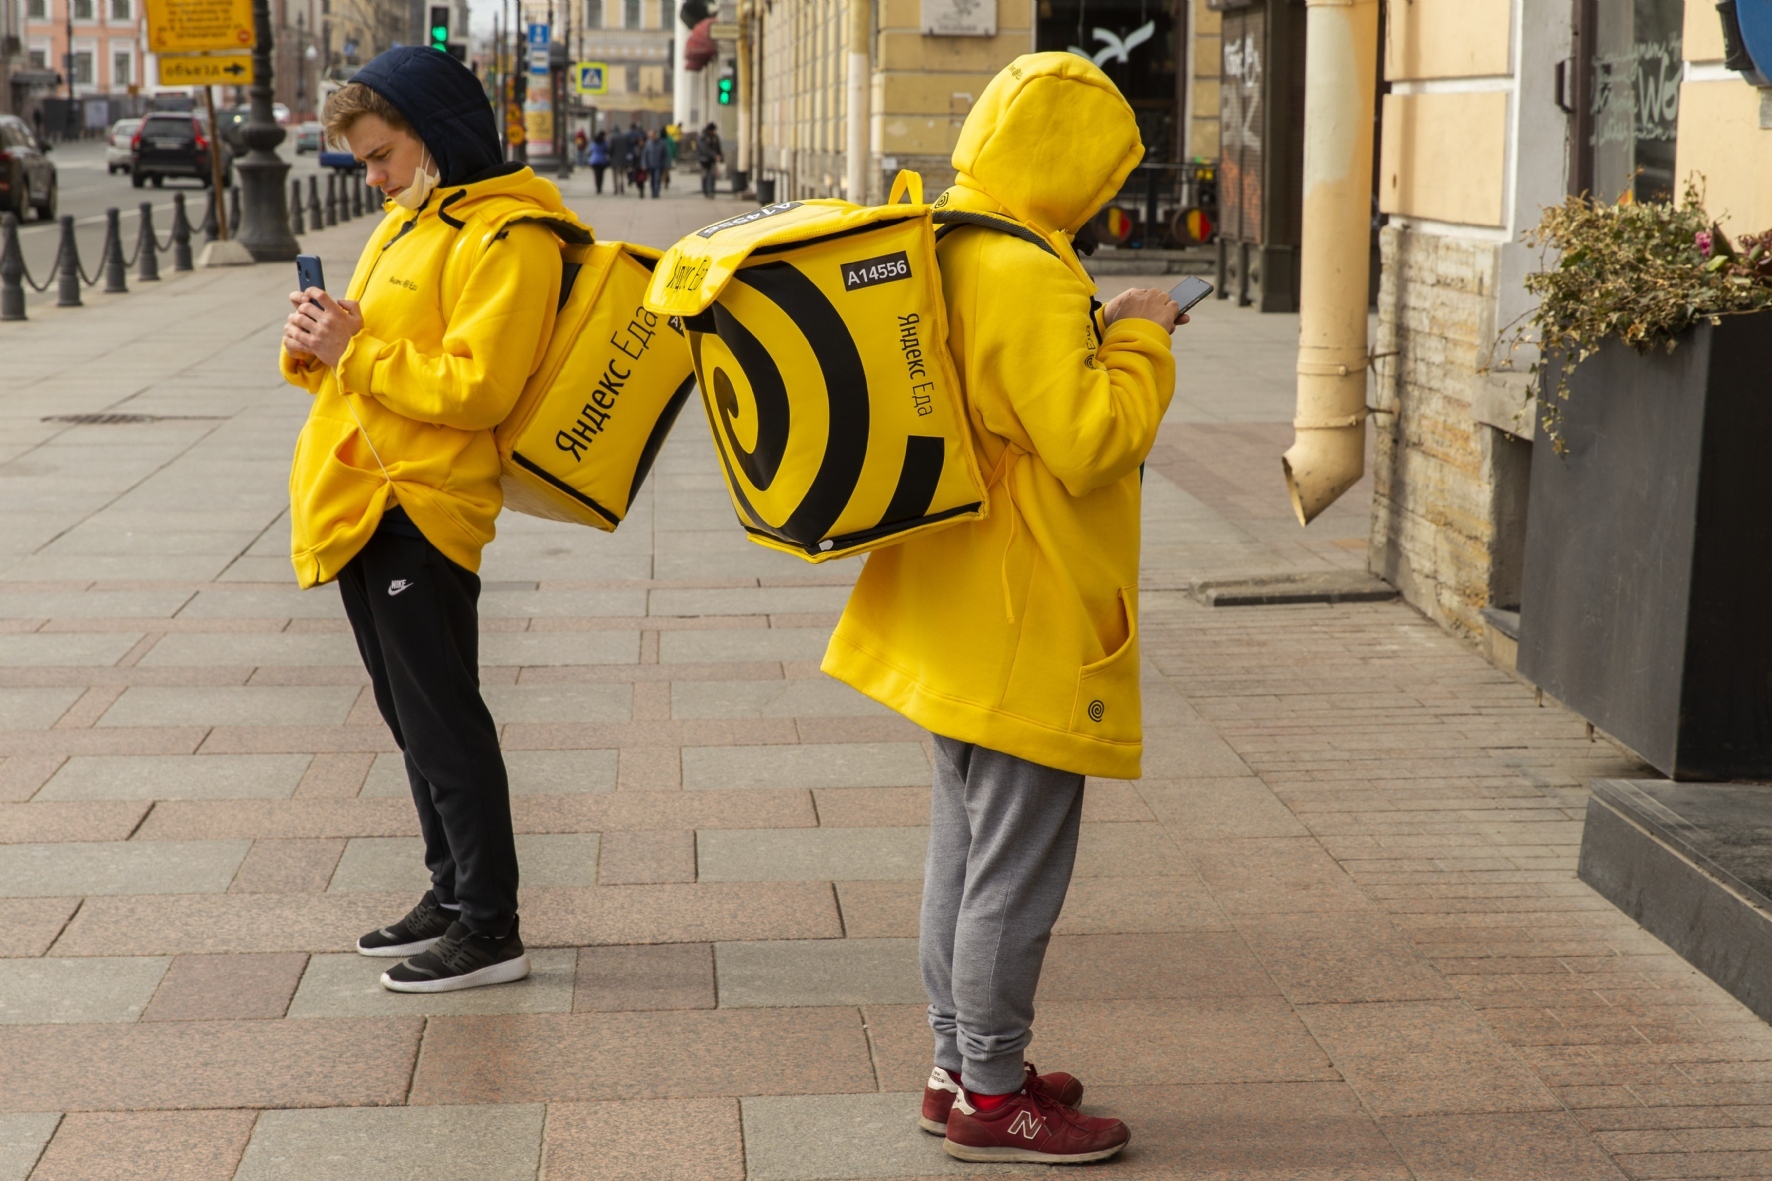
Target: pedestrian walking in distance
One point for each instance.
(1014, 638)
(655, 159)
(598, 155)
(395, 483)
(620, 162)
(708, 154)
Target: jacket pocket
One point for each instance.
(1107, 704)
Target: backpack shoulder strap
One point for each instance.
(952, 219)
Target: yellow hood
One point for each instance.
(1050, 140)
(519, 196)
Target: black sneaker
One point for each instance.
(461, 959)
(423, 925)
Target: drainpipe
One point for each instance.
(856, 154)
(1328, 453)
(743, 84)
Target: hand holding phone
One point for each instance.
(309, 274)
(1189, 292)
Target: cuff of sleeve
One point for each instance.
(356, 369)
(296, 371)
(1138, 327)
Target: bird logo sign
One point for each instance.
(1115, 48)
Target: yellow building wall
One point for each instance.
(1720, 134)
(1721, 139)
(1447, 39)
(1444, 157)
(1208, 66)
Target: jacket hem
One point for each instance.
(966, 721)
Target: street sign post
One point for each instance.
(200, 26)
(205, 69)
(591, 77)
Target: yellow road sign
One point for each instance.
(591, 77)
(199, 26)
(205, 69)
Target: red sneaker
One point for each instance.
(942, 1088)
(1031, 1127)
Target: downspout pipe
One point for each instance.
(1328, 452)
(861, 31)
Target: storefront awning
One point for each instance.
(699, 49)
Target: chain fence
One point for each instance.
(347, 197)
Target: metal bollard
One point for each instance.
(331, 199)
(116, 270)
(68, 292)
(208, 228)
(344, 200)
(356, 196)
(181, 235)
(315, 218)
(234, 212)
(12, 270)
(147, 267)
(295, 218)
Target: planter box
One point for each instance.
(1646, 604)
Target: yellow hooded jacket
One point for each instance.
(458, 304)
(1020, 632)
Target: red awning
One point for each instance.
(699, 50)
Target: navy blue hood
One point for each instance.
(445, 105)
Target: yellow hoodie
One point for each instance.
(458, 303)
(1020, 632)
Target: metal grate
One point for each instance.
(112, 419)
(101, 419)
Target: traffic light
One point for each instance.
(440, 27)
(727, 85)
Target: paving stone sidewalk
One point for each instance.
(1335, 933)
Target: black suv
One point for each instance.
(176, 143)
(27, 178)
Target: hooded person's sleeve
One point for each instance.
(497, 334)
(1090, 410)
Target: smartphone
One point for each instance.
(309, 274)
(1187, 293)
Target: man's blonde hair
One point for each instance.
(350, 103)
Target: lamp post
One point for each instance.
(264, 206)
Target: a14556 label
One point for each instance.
(869, 272)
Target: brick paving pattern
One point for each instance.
(1335, 933)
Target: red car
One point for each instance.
(27, 178)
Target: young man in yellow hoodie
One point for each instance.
(1015, 639)
(395, 483)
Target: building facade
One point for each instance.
(87, 50)
(927, 62)
(1496, 109)
(635, 39)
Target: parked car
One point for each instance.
(27, 177)
(335, 159)
(309, 138)
(172, 144)
(119, 156)
(280, 113)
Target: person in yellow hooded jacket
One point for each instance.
(1014, 639)
(395, 483)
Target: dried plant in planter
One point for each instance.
(1641, 272)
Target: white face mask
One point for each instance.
(423, 181)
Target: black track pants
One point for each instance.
(416, 617)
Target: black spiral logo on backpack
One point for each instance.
(846, 392)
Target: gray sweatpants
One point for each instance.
(1002, 843)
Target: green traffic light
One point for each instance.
(440, 33)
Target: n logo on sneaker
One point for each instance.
(398, 585)
(1026, 1124)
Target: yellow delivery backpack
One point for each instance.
(585, 430)
(819, 338)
